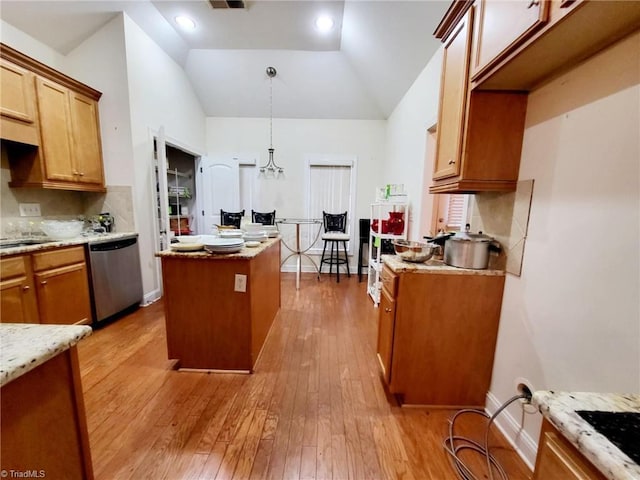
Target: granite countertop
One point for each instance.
(560, 408)
(395, 263)
(244, 254)
(81, 240)
(24, 346)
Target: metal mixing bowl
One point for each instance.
(416, 252)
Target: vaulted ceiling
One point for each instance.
(359, 70)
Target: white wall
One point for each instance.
(160, 95)
(406, 142)
(292, 139)
(572, 320)
(100, 61)
(22, 42)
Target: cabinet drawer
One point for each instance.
(389, 281)
(13, 267)
(58, 258)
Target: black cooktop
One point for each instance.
(621, 428)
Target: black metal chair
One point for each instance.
(364, 231)
(335, 228)
(265, 218)
(231, 218)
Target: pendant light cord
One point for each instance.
(271, 111)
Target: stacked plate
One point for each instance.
(260, 236)
(271, 230)
(223, 245)
(234, 233)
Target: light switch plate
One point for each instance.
(240, 283)
(29, 209)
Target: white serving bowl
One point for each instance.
(62, 229)
(188, 238)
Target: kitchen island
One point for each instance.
(43, 425)
(219, 307)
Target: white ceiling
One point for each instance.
(359, 71)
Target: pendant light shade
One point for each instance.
(271, 170)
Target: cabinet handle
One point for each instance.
(533, 3)
(387, 309)
(81, 174)
(451, 162)
(25, 288)
(44, 282)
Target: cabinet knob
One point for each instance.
(451, 162)
(44, 282)
(387, 309)
(81, 174)
(25, 288)
(533, 3)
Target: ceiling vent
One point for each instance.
(227, 3)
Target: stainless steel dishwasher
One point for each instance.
(116, 280)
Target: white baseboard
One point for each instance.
(151, 297)
(520, 440)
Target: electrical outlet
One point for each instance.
(240, 283)
(29, 209)
(525, 387)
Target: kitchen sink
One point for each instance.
(23, 242)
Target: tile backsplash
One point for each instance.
(60, 204)
(505, 217)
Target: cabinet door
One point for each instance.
(453, 95)
(17, 104)
(86, 139)
(63, 295)
(386, 323)
(502, 25)
(55, 127)
(17, 295)
(559, 460)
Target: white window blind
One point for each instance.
(331, 189)
(456, 211)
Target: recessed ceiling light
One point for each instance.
(185, 22)
(324, 23)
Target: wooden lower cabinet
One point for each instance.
(18, 302)
(443, 334)
(386, 321)
(558, 459)
(51, 286)
(43, 424)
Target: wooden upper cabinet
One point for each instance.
(453, 94)
(67, 151)
(17, 105)
(55, 127)
(479, 137)
(86, 139)
(501, 26)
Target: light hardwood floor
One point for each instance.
(315, 408)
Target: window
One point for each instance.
(331, 181)
(451, 212)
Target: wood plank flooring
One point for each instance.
(315, 408)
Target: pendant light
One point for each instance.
(271, 169)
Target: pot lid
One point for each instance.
(467, 236)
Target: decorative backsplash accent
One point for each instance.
(505, 216)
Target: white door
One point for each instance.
(220, 188)
(163, 191)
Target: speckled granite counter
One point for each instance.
(560, 409)
(245, 254)
(24, 346)
(61, 243)
(432, 266)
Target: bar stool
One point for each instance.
(335, 227)
(265, 218)
(231, 218)
(363, 230)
